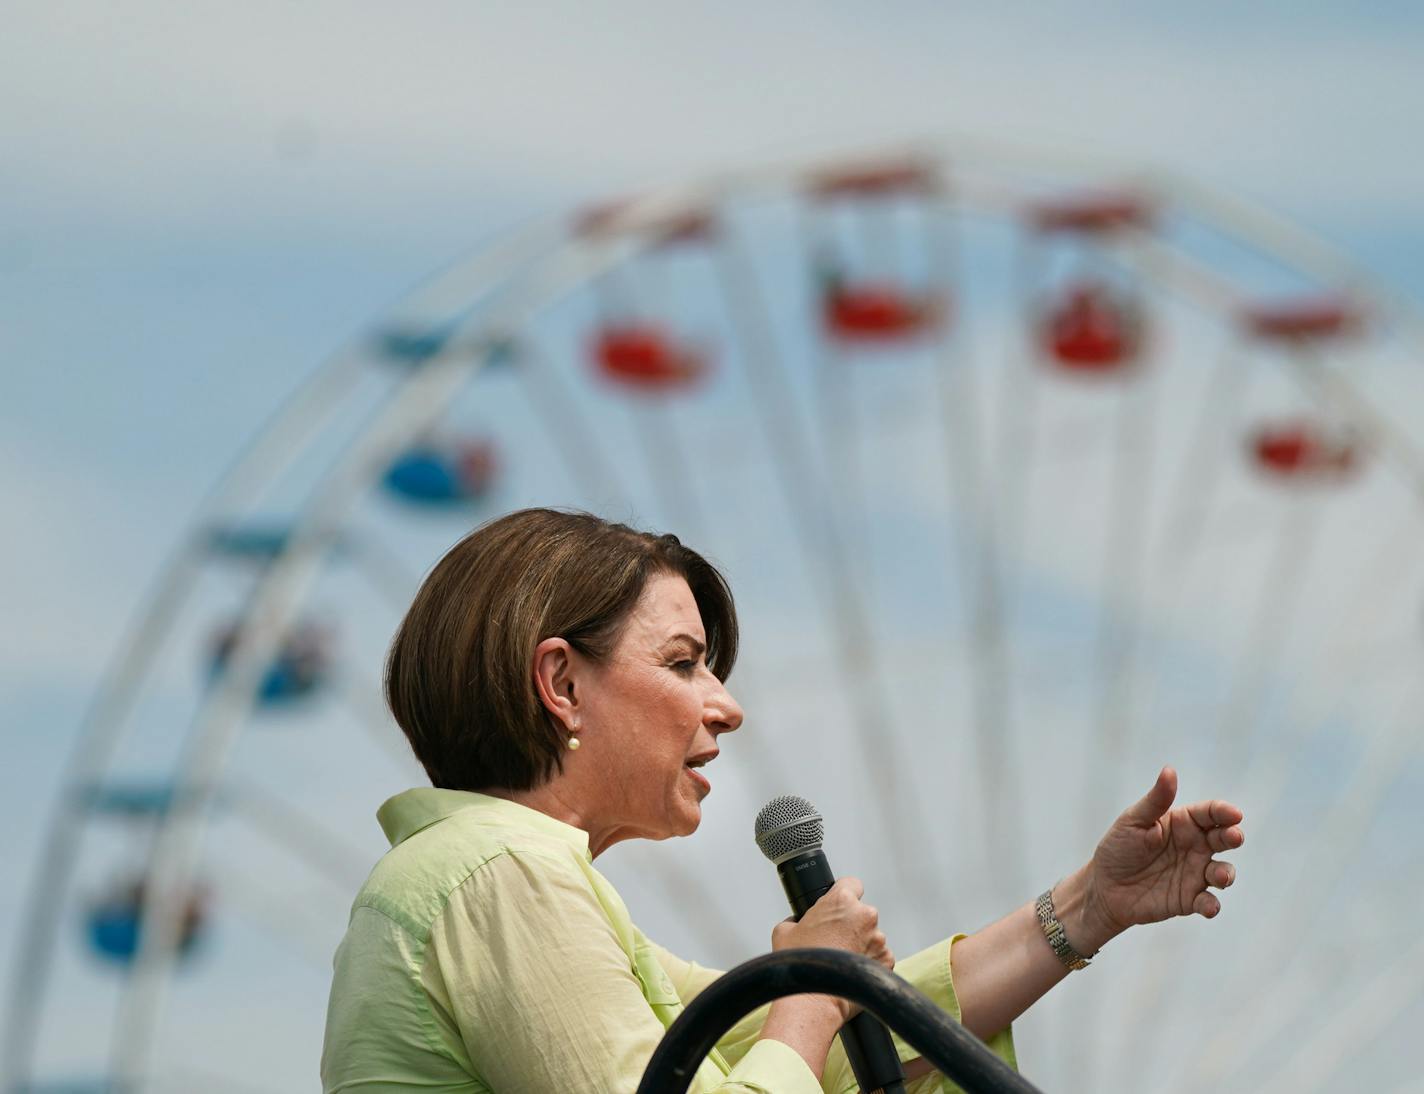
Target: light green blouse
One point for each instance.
(485, 953)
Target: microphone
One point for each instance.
(789, 832)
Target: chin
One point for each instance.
(687, 821)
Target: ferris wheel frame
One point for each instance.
(492, 296)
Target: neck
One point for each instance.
(558, 800)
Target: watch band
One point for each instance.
(1053, 931)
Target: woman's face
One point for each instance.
(651, 714)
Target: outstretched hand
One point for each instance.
(1155, 862)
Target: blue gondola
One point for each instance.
(261, 543)
(298, 670)
(132, 799)
(257, 542)
(443, 475)
(412, 345)
(114, 925)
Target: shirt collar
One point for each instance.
(414, 810)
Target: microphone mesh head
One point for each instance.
(787, 826)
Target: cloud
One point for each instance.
(185, 110)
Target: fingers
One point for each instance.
(1206, 905)
(1220, 875)
(1214, 814)
(839, 920)
(1156, 801)
(1224, 839)
(878, 949)
(849, 890)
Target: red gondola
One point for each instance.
(906, 176)
(1094, 212)
(1303, 450)
(877, 313)
(1302, 320)
(1092, 330)
(644, 356)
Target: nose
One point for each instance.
(721, 713)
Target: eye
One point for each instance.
(686, 666)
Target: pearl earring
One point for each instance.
(573, 741)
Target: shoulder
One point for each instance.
(414, 881)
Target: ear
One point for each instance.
(554, 680)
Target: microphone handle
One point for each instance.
(806, 878)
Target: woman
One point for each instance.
(561, 678)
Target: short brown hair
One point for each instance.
(459, 675)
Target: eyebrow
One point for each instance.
(697, 647)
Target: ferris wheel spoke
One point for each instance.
(370, 712)
(1346, 823)
(1241, 717)
(842, 439)
(1202, 469)
(1360, 611)
(980, 575)
(700, 904)
(1292, 1000)
(1188, 514)
(1353, 1026)
(666, 459)
(1296, 541)
(583, 457)
(1385, 435)
(833, 402)
(877, 236)
(1125, 557)
(292, 829)
(1017, 429)
(1239, 721)
(388, 574)
(1122, 582)
(1117, 637)
(615, 292)
(1376, 583)
(1275, 607)
(273, 910)
(881, 752)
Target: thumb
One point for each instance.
(1155, 802)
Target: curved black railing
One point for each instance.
(949, 1047)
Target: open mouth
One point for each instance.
(691, 767)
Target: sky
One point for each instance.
(201, 201)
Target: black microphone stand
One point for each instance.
(949, 1047)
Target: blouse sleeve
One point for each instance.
(689, 979)
(531, 973)
(929, 970)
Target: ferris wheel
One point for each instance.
(1029, 476)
